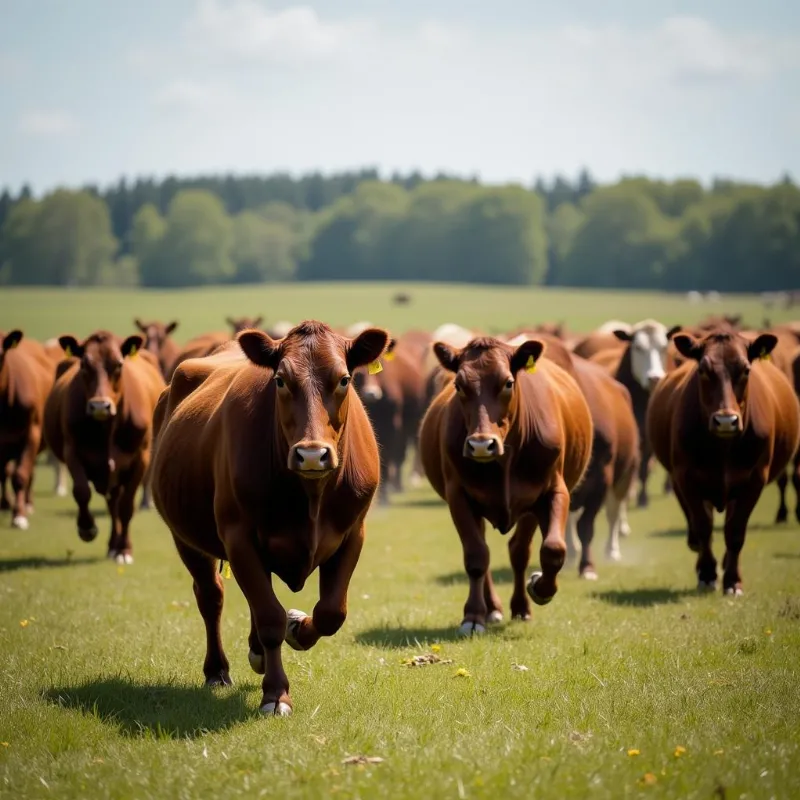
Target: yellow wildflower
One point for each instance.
(633, 752)
(679, 751)
(462, 673)
(23, 623)
(436, 648)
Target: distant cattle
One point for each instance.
(266, 459)
(26, 378)
(639, 365)
(158, 341)
(506, 441)
(98, 421)
(724, 424)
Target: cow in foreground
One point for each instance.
(724, 424)
(266, 459)
(506, 441)
(26, 378)
(98, 421)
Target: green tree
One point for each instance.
(263, 250)
(148, 231)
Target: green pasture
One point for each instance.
(633, 686)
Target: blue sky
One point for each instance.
(91, 89)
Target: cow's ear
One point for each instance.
(260, 348)
(171, 327)
(672, 331)
(140, 325)
(688, 346)
(447, 356)
(70, 346)
(762, 346)
(257, 321)
(623, 335)
(230, 322)
(366, 348)
(526, 356)
(12, 339)
(131, 346)
(734, 320)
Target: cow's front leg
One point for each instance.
(268, 614)
(737, 515)
(519, 551)
(471, 531)
(330, 612)
(22, 476)
(700, 519)
(87, 529)
(125, 508)
(552, 510)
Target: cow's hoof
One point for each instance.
(734, 591)
(624, 529)
(294, 619)
(706, 586)
(122, 558)
(613, 555)
(522, 617)
(256, 662)
(29, 509)
(589, 574)
(88, 534)
(494, 617)
(531, 589)
(223, 679)
(468, 628)
(276, 710)
(20, 523)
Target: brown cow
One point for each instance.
(98, 420)
(267, 460)
(394, 400)
(26, 378)
(724, 424)
(502, 444)
(158, 341)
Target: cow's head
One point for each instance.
(486, 385)
(243, 323)
(369, 382)
(102, 360)
(313, 369)
(155, 334)
(647, 342)
(8, 341)
(724, 361)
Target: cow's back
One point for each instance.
(597, 342)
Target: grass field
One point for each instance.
(635, 685)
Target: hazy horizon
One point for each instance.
(92, 93)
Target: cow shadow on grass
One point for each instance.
(72, 512)
(42, 562)
(401, 638)
(682, 533)
(643, 598)
(163, 710)
(500, 575)
(786, 556)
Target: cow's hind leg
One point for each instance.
(123, 514)
(796, 484)
(783, 509)
(615, 506)
(22, 476)
(209, 592)
(571, 535)
(700, 520)
(519, 552)
(5, 500)
(552, 510)
(494, 606)
(737, 515)
(585, 526)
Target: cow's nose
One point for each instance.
(372, 393)
(100, 407)
(725, 422)
(652, 381)
(483, 448)
(307, 459)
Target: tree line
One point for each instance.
(637, 233)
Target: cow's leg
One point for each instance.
(494, 606)
(571, 535)
(126, 503)
(22, 476)
(585, 526)
(796, 484)
(87, 529)
(700, 520)
(61, 488)
(147, 497)
(615, 507)
(268, 613)
(5, 500)
(330, 612)
(667, 485)
(551, 510)
(112, 502)
(417, 477)
(471, 531)
(737, 515)
(209, 592)
(399, 453)
(783, 509)
(519, 552)
(643, 500)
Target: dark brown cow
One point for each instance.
(158, 341)
(502, 444)
(98, 421)
(267, 459)
(26, 378)
(394, 400)
(724, 424)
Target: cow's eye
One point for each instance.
(509, 385)
(344, 382)
(279, 382)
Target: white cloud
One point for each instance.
(187, 94)
(48, 122)
(247, 30)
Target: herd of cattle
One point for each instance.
(265, 449)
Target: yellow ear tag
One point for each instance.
(388, 356)
(530, 366)
(375, 367)
(68, 351)
(227, 571)
(133, 352)
(765, 356)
